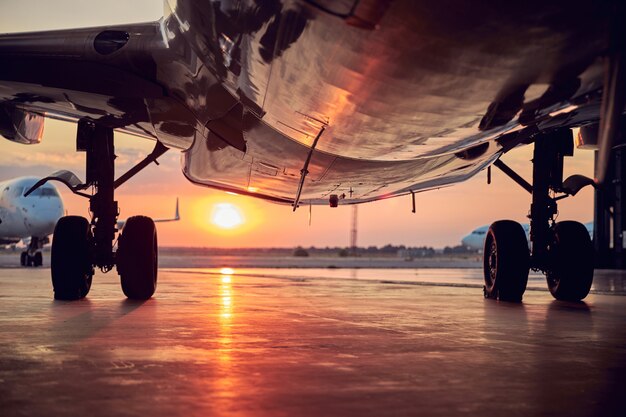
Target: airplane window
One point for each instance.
(49, 192)
(45, 192)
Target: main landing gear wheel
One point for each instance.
(38, 259)
(27, 260)
(571, 258)
(137, 258)
(506, 261)
(69, 260)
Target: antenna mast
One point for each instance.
(353, 232)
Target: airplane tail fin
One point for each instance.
(172, 219)
(121, 223)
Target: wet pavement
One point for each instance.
(296, 343)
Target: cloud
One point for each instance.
(50, 159)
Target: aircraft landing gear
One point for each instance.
(32, 255)
(137, 258)
(80, 245)
(563, 250)
(506, 261)
(72, 271)
(571, 272)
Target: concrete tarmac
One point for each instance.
(221, 343)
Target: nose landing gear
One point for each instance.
(561, 250)
(32, 256)
(80, 245)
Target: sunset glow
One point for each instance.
(226, 216)
(442, 218)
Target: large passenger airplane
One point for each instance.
(329, 102)
(32, 218)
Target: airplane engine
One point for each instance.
(21, 126)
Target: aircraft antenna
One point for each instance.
(353, 231)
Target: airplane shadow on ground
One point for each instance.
(84, 321)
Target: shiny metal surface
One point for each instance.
(232, 344)
(412, 95)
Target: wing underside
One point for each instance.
(403, 105)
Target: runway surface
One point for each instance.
(309, 343)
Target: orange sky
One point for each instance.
(443, 216)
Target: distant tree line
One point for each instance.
(458, 250)
(386, 250)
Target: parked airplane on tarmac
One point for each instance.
(32, 218)
(329, 102)
(475, 240)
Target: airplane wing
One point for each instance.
(121, 223)
(300, 101)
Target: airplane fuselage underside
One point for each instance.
(401, 96)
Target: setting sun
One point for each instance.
(226, 216)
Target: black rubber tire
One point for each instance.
(70, 263)
(506, 261)
(38, 259)
(23, 258)
(137, 258)
(570, 274)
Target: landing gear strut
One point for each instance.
(562, 250)
(80, 245)
(32, 255)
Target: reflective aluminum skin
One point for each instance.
(410, 95)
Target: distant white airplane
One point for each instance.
(476, 238)
(31, 219)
